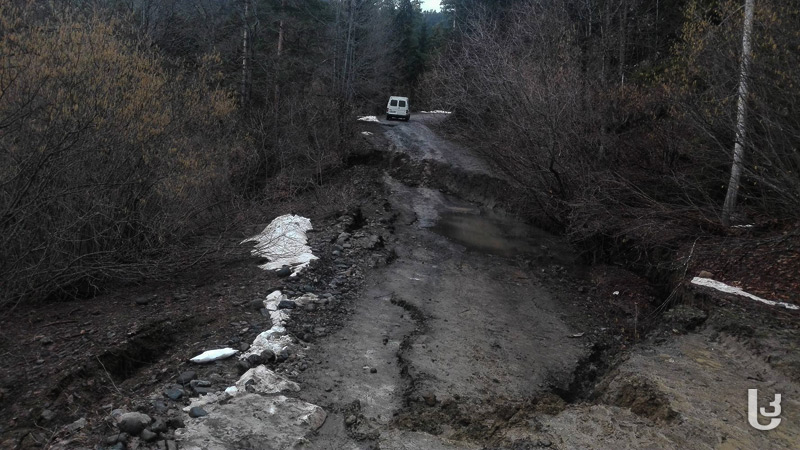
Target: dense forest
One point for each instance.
(129, 126)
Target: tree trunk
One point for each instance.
(741, 119)
(245, 91)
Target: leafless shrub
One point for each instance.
(105, 157)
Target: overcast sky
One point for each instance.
(430, 4)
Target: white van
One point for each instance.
(398, 107)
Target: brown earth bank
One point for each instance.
(442, 322)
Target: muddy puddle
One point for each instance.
(486, 232)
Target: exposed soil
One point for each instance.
(446, 323)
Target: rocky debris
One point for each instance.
(46, 415)
(242, 366)
(196, 412)
(77, 425)
(133, 422)
(186, 376)
(158, 426)
(286, 304)
(284, 271)
(148, 436)
(174, 394)
(253, 421)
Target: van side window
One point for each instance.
(402, 104)
(394, 102)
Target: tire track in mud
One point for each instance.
(404, 363)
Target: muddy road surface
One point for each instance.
(433, 319)
(480, 335)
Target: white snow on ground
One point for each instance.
(713, 284)
(369, 119)
(366, 133)
(213, 355)
(284, 243)
(438, 111)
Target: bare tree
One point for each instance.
(741, 116)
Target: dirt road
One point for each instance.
(433, 319)
(464, 342)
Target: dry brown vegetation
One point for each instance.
(617, 132)
(106, 156)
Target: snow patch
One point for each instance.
(213, 355)
(284, 243)
(369, 119)
(722, 287)
(366, 133)
(261, 380)
(438, 111)
(274, 339)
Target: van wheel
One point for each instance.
(388, 117)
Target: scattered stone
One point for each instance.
(244, 346)
(159, 426)
(268, 355)
(544, 443)
(284, 271)
(350, 420)
(216, 378)
(47, 415)
(186, 377)
(200, 390)
(286, 304)
(114, 438)
(199, 383)
(705, 274)
(256, 305)
(160, 405)
(173, 394)
(77, 425)
(172, 445)
(175, 423)
(242, 366)
(255, 360)
(310, 307)
(133, 423)
(374, 370)
(148, 436)
(282, 355)
(141, 301)
(197, 412)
